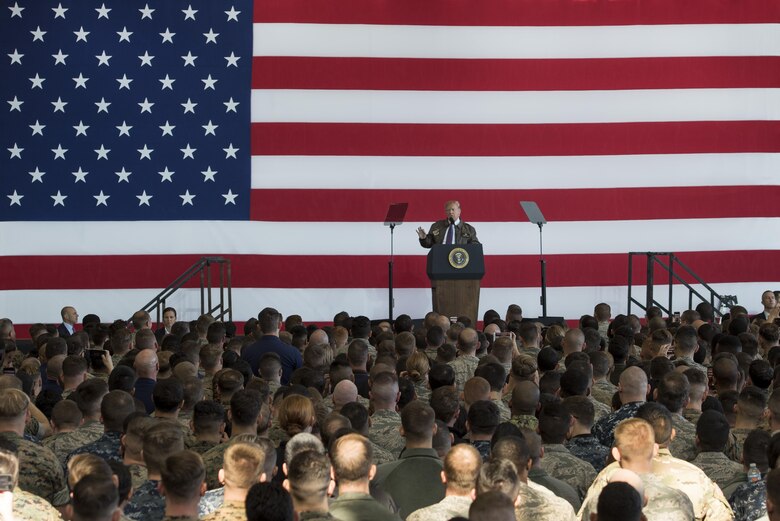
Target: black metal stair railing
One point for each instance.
(222, 310)
(675, 268)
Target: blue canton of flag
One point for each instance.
(125, 110)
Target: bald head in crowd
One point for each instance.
(633, 385)
(468, 341)
(318, 337)
(573, 341)
(461, 468)
(345, 392)
(146, 364)
(384, 391)
(525, 398)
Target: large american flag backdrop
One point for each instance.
(138, 136)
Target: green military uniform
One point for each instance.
(444, 510)
(229, 511)
(683, 445)
(599, 409)
(539, 504)
(563, 465)
(692, 415)
(29, 507)
(603, 390)
(355, 506)
(503, 409)
(315, 516)
(138, 474)
(384, 431)
(40, 472)
(736, 442)
(541, 478)
(463, 367)
(213, 459)
(89, 431)
(719, 468)
(525, 421)
(664, 503)
(199, 446)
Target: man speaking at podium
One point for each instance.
(450, 230)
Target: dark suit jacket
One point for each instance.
(291, 358)
(63, 331)
(464, 234)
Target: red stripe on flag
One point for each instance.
(602, 204)
(513, 12)
(514, 75)
(389, 139)
(365, 271)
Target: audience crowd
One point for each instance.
(622, 418)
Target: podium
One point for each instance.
(455, 271)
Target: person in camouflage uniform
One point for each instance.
(524, 403)
(536, 501)
(712, 432)
(211, 362)
(417, 368)
(461, 467)
(697, 393)
(672, 392)
(132, 444)
(247, 414)
(466, 362)
(309, 484)
(708, 500)
(751, 406)
(25, 506)
(182, 485)
(208, 426)
(385, 422)
(160, 440)
(554, 423)
(243, 467)
(686, 343)
(114, 409)
(356, 416)
(634, 449)
(749, 499)
(89, 396)
(40, 472)
(633, 390)
(602, 389)
(65, 418)
(495, 374)
(539, 476)
(580, 441)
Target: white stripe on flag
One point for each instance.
(611, 106)
(499, 238)
(515, 173)
(320, 304)
(405, 41)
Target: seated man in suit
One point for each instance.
(450, 230)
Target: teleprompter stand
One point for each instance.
(534, 215)
(395, 216)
